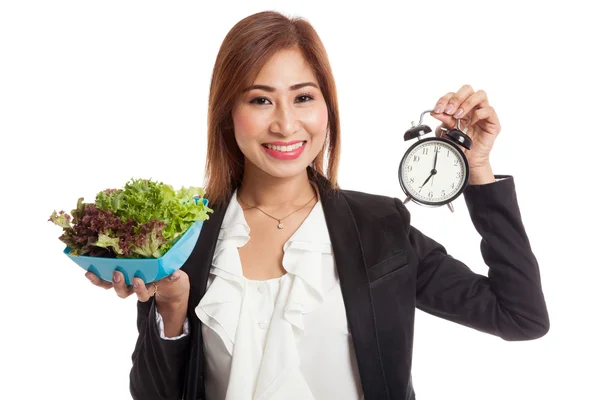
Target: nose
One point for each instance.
(285, 121)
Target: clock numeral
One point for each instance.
(448, 153)
(443, 193)
(425, 150)
(436, 148)
(416, 158)
(412, 180)
(409, 168)
(452, 187)
(458, 174)
(430, 194)
(455, 163)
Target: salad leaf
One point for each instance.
(143, 219)
(148, 242)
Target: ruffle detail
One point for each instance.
(220, 306)
(304, 260)
(302, 290)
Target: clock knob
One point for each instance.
(458, 137)
(416, 131)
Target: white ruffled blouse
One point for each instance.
(281, 339)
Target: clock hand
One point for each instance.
(426, 180)
(433, 172)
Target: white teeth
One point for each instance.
(285, 148)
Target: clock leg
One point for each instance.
(406, 200)
(451, 207)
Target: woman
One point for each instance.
(296, 288)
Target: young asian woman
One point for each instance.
(297, 288)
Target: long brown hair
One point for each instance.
(244, 51)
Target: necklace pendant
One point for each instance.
(280, 226)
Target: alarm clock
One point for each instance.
(434, 171)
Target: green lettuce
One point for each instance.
(143, 219)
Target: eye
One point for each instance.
(301, 98)
(259, 100)
(306, 97)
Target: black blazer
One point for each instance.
(388, 268)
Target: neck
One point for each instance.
(264, 191)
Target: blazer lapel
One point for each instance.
(198, 264)
(350, 264)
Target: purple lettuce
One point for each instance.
(142, 220)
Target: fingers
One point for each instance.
(446, 106)
(462, 102)
(460, 105)
(475, 101)
(143, 291)
(450, 103)
(97, 281)
(489, 118)
(170, 286)
(120, 286)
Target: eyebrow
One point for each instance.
(272, 89)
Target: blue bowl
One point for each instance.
(148, 269)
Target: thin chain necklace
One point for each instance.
(279, 223)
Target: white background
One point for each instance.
(94, 93)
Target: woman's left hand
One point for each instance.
(477, 116)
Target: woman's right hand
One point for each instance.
(173, 289)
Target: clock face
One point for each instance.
(433, 185)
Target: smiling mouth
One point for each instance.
(284, 149)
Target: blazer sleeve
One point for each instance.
(509, 301)
(159, 365)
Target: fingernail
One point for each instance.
(449, 108)
(116, 277)
(458, 113)
(438, 109)
(136, 284)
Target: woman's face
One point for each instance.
(280, 121)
